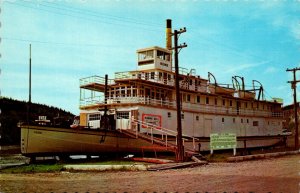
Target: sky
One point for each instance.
(70, 40)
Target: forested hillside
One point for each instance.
(14, 111)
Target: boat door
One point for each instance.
(207, 127)
(123, 121)
(238, 104)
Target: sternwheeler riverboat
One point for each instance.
(136, 111)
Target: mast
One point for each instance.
(29, 97)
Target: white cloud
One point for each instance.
(271, 70)
(239, 68)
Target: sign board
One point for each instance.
(151, 119)
(223, 141)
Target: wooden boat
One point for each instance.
(41, 140)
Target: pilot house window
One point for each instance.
(163, 55)
(146, 55)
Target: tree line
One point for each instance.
(14, 112)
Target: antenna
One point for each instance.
(29, 73)
(29, 100)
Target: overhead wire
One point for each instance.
(108, 18)
(59, 43)
(97, 19)
(126, 19)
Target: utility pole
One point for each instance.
(294, 87)
(177, 48)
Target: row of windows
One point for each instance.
(94, 117)
(255, 123)
(149, 54)
(187, 98)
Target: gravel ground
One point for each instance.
(269, 175)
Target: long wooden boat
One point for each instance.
(42, 140)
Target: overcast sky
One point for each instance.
(75, 39)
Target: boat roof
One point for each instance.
(154, 48)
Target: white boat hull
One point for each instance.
(47, 140)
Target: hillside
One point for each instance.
(14, 111)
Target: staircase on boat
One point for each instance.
(165, 139)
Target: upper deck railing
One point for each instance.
(134, 75)
(93, 80)
(201, 108)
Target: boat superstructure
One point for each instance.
(148, 95)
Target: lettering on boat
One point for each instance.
(151, 119)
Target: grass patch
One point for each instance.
(217, 157)
(34, 168)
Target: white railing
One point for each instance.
(91, 101)
(94, 79)
(144, 76)
(185, 106)
(152, 129)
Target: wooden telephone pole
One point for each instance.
(177, 48)
(294, 87)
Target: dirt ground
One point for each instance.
(270, 175)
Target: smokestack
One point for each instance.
(169, 34)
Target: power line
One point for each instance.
(85, 17)
(58, 43)
(92, 13)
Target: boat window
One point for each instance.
(255, 123)
(188, 98)
(163, 55)
(122, 115)
(159, 75)
(198, 99)
(94, 117)
(146, 55)
(152, 75)
(134, 92)
(169, 76)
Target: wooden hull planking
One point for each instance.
(47, 140)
